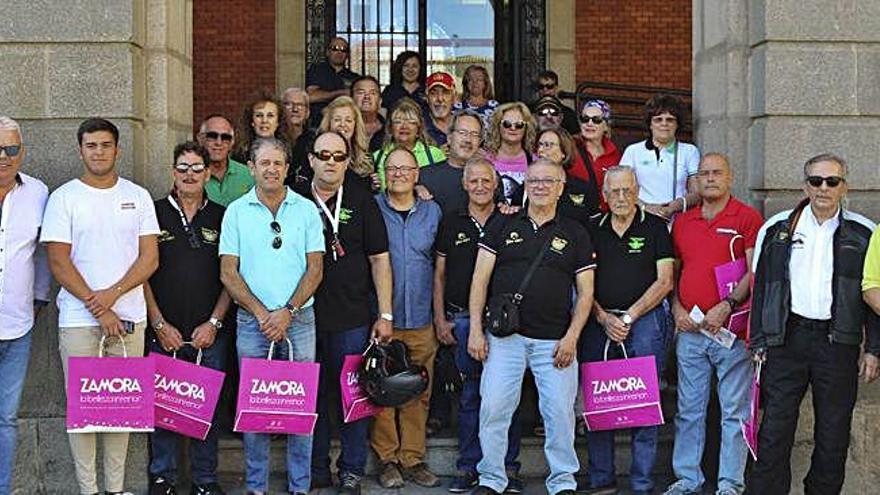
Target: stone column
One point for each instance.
(125, 60)
(779, 81)
(561, 49)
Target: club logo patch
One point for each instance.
(210, 235)
(345, 215)
(462, 238)
(513, 238)
(558, 244)
(636, 244)
(577, 199)
(165, 236)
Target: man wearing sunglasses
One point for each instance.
(547, 84)
(24, 276)
(229, 179)
(329, 79)
(357, 270)
(271, 262)
(548, 113)
(188, 264)
(807, 322)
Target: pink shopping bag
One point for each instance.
(109, 394)
(621, 393)
(186, 395)
(750, 427)
(277, 396)
(727, 277)
(355, 403)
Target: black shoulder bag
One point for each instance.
(501, 317)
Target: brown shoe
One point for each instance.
(390, 476)
(421, 475)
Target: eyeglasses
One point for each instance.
(277, 241)
(547, 144)
(548, 112)
(399, 170)
(292, 105)
(184, 167)
(657, 119)
(519, 124)
(223, 136)
(339, 48)
(546, 86)
(405, 121)
(832, 181)
(326, 155)
(623, 191)
(11, 150)
(545, 182)
(468, 134)
(596, 119)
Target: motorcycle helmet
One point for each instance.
(388, 377)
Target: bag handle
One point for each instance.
(732, 241)
(608, 344)
(104, 339)
(289, 350)
(198, 356)
(758, 369)
(518, 296)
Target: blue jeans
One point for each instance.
(253, 344)
(647, 337)
(202, 453)
(697, 356)
(469, 453)
(332, 349)
(500, 388)
(14, 355)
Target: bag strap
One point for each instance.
(198, 355)
(675, 176)
(289, 350)
(608, 344)
(517, 298)
(588, 162)
(104, 339)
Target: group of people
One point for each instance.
(326, 221)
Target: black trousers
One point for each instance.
(808, 358)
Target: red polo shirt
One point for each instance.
(702, 244)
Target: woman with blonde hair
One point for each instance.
(406, 129)
(477, 93)
(509, 141)
(343, 116)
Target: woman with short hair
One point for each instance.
(406, 129)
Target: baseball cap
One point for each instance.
(440, 78)
(548, 102)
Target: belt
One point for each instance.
(809, 323)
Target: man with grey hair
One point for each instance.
(229, 179)
(24, 276)
(271, 230)
(444, 181)
(299, 136)
(634, 275)
(807, 325)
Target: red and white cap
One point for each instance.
(442, 79)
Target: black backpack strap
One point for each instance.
(517, 298)
(594, 181)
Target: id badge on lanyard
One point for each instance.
(335, 243)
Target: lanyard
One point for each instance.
(333, 218)
(187, 227)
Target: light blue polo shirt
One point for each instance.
(272, 274)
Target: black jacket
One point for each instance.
(771, 296)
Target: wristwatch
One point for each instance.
(158, 325)
(626, 319)
(732, 302)
(387, 316)
(293, 310)
(217, 323)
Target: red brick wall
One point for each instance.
(233, 54)
(634, 42)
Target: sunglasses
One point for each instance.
(832, 181)
(276, 242)
(11, 150)
(338, 48)
(182, 167)
(596, 119)
(548, 112)
(659, 120)
(223, 136)
(325, 155)
(519, 124)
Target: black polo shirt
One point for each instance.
(377, 141)
(325, 77)
(187, 283)
(627, 264)
(444, 183)
(457, 242)
(343, 300)
(578, 201)
(299, 158)
(545, 311)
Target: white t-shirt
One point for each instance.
(103, 227)
(655, 175)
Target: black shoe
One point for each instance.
(566, 492)
(319, 482)
(483, 490)
(464, 481)
(514, 482)
(349, 484)
(206, 489)
(160, 486)
(608, 489)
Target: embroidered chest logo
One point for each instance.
(209, 235)
(576, 199)
(345, 215)
(513, 238)
(127, 206)
(557, 245)
(165, 236)
(462, 238)
(636, 244)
